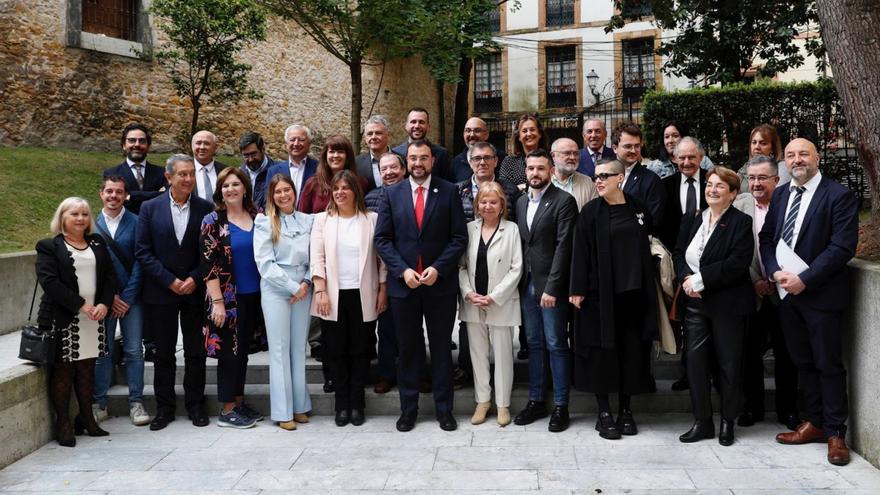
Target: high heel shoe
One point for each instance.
(88, 425)
(64, 434)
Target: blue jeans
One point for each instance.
(133, 350)
(546, 328)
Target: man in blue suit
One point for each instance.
(417, 125)
(421, 235)
(256, 165)
(299, 166)
(594, 134)
(818, 219)
(143, 180)
(117, 226)
(168, 250)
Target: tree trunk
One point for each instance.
(849, 30)
(441, 112)
(355, 69)
(194, 123)
(462, 93)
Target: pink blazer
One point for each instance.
(324, 264)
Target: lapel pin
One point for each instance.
(435, 189)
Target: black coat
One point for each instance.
(673, 215)
(591, 276)
(55, 272)
(154, 180)
(724, 264)
(645, 186)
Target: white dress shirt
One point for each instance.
(626, 172)
(806, 197)
(683, 188)
(180, 217)
(374, 166)
(534, 201)
(133, 166)
(415, 186)
(297, 170)
(113, 222)
(695, 249)
(200, 179)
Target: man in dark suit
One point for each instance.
(299, 166)
(818, 219)
(256, 165)
(545, 217)
(376, 137)
(475, 131)
(638, 181)
(204, 148)
(167, 248)
(684, 190)
(417, 126)
(142, 179)
(421, 235)
(594, 133)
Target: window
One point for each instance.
(117, 27)
(636, 8)
(638, 68)
(495, 20)
(487, 84)
(561, 77)
(113, 18)
(560, 12)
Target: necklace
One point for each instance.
(84, 243)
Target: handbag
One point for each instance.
(37, 345)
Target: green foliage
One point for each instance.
(204, 38)
(718, 41)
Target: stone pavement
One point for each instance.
(320, 458)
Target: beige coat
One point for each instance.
(504, 261)
(324, 263)
(583, 189)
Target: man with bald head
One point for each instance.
(204, 147)
(818, 219)
(565, 176)
(594, 134)
(475, 131)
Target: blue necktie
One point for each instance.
(791, 218)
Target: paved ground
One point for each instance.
(374, 458)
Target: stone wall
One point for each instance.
(55, 95)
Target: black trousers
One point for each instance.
(347, 346)
(721, 337)
(814, 343)
(232, 371)
(763, 326)
(438, 314)
(163, 320)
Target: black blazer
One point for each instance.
(724, 264)
(154, 180)
(645, 186)
(547, 245)
(461, 170)
(364, 163)
(673, 213)
(55, 272)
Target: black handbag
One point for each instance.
(37, 345)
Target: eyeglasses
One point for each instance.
(252, 154)
(483, 158)
(473, 130)
(567, 153)
(136, 140)
(605, 176)
(760, 178)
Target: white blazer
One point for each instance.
(504, 261)
(325, 265)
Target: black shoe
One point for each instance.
(406, 422)
(790, 420)
(725, 434)
(161, 421)
(559, 419)
(700, 431)
(681, 384)
(357, 417)
(329, 388)
(198, 417)
(461, 379)
(343, 417)
(317, 353)
(522, 354)
(606, 427)
(87, 424)
(749, 419)
(64, 433)
(447, 421)
(534, 410)
(626, 424)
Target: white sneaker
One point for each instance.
(138, 415)
(99, 414)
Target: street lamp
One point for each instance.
(592, 81)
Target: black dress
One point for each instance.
(481, 275)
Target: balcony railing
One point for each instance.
(561, 96)
(488, 101)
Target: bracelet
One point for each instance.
(320, 291)
(217, 300)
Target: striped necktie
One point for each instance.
(791, 218)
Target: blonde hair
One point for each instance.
(56, 226)
(271, 210)
(487, 188)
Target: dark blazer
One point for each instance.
(724, 264)
(162, 258)
(129, 283)
(673, 213)
(645, 186)
(466, 192)
(591, 276)
(154, 180)
(441, 160)
(60, 301)
(364, 165)
(441, 241)
(586, 165)
(461, 170)
(260, 184)
(547, 245)
(284, 168)
(826, 242)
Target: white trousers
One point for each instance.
(501, 340)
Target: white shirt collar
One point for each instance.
(414, 185)
(132, 164)
(209, 166)
(536, 197)
(298, 164)
(113, 219)
(811, 184)
(684, 178)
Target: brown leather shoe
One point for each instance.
(805, 433)
(838, 452)
(382, 387)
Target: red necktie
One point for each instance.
(420, 212)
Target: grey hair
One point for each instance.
(213, 136)
(693, 141)
(56, 225)
(553, 146)
(296, 127)
(762, 159)
(584, 128)
(481, 145)
(375, 119)
(174, 159)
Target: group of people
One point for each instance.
(568, 244)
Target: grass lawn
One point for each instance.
(33, 181)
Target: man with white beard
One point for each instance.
(565, 176)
